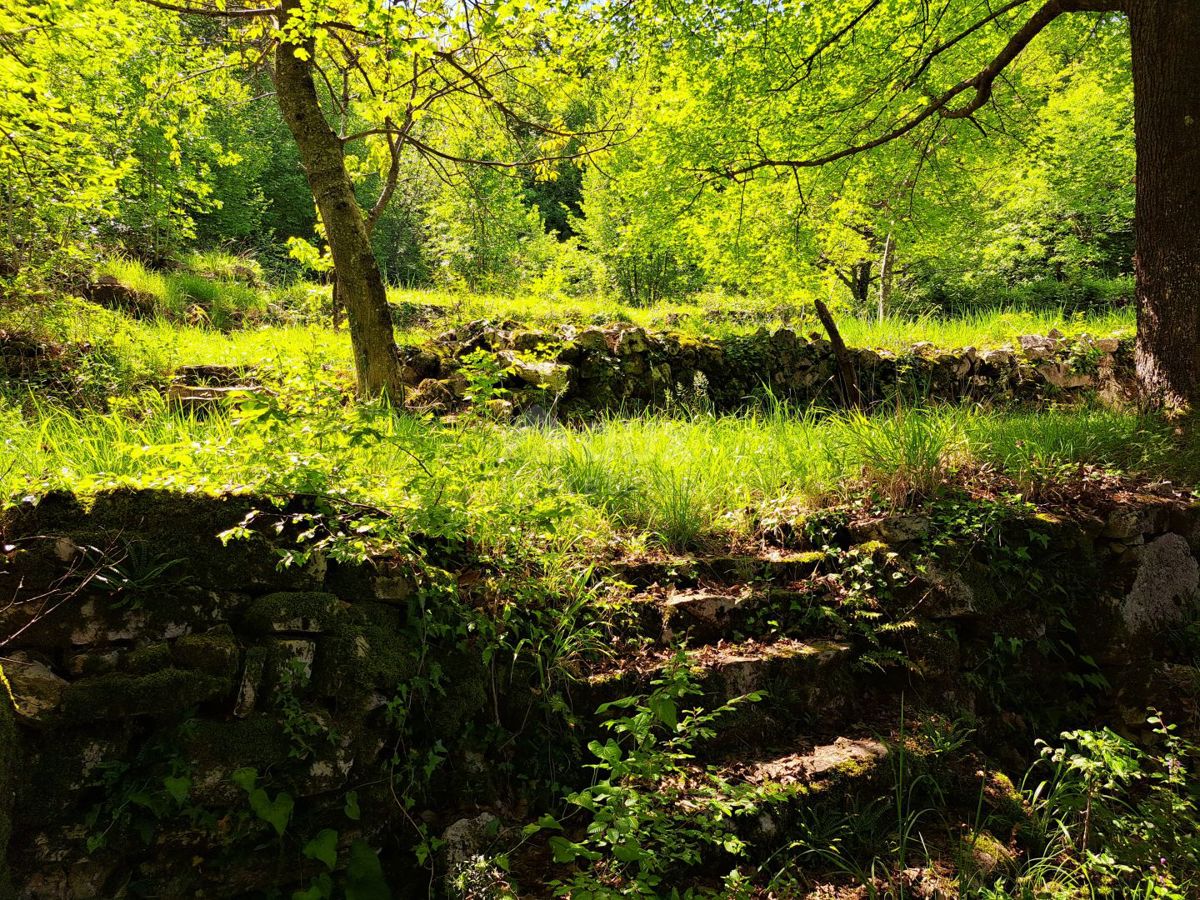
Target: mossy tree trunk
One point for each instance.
(359, 282)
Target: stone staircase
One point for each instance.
(744, 625)
(200, 389)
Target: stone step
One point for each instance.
(215, 375)
(702, 615)
(799, 680)
(200, 399)
(689, 571)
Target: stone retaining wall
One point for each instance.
(153, 667)
(624, 367)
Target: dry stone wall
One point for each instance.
(173, 697)
(624, 367)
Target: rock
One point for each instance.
(298, 612)
(248, 688)
(108, 292)
(982, 854)
(393, 588)
(36, 691)
(498, 409)
(466, 839)
(594, 340)
(1037, 347)
(418, 364)
(118, 695)
(632, 341)
(214, 375)
(1127, 523)
(844, 757)
(215, 653)
(1063, 378)
(705, 612)
(196, 400)
(299, 654)
(1108, 345)
(553, 377)
(529, 341)
(1167, 578)
(430, 395)
(947, 596)
(897, 529)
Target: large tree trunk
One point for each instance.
(360, 288)
(1166, 82)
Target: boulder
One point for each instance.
(1166, 580)
(1063, 378)
(1035, 346)
(36, 691)
(551, 376)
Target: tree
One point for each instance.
(816, 68)
(397, 78)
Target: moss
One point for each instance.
(215, 653)
(306, 611)
(115, 696)
(258, 741)
(466, 694)
(358, 660)
(148, 659)
(9, 754)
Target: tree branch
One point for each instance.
(214, 12)
(980, 84)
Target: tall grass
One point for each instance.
(672, 482)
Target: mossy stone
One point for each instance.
(357, 660)
(148, 659)
(9, 757)
(293, 611)
(117, 695)
(216, 653)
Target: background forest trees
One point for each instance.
(146, 139)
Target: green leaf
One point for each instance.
(628, 852)
(565, 851)
(177, 787)
(245, 778)
(664, 710)
(275, 813)
(320, 889)
(364, 875)
(323, 848)
(351, 808)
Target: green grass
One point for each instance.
(646, 480)
(217, 282)
(716, 316)
(210, 296)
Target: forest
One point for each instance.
(627, 448)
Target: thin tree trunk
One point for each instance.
(847, 377)
(885, 276)
(1166, 83)
(860, 283)
(360, 287)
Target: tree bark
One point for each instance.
(847, 376)
(360, 288)
(1166, 83)
(885, 276)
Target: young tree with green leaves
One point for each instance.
(397, 78)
